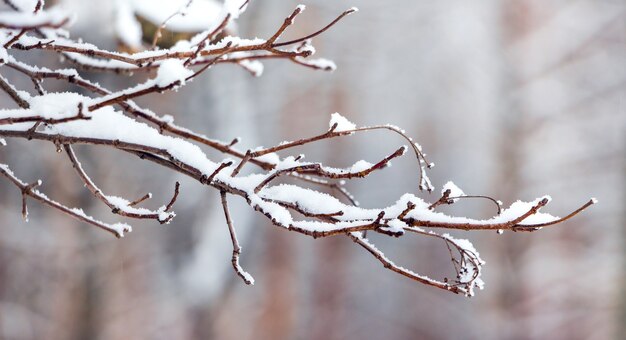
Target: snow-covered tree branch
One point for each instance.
(318, 206)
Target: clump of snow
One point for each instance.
(395, 226)
(127, 27)
(246, 276)
(519, 208)
(360, 166)
(455, 191)
(56, 105)
(343, 124)
(124, 205)
(4, 56)
(54, 16)
(237, 41)
(321, 63)
(308, 48)
(278, 214)
(106, 123)
(235, 7)
(254, 66)
(49, 106)
(171, 71)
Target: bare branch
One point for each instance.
(312, 35)
(157, 34)
(117, 205)
(247, 278)
(27, 190)
(13, 93)
(173, 147)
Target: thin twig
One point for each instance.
(247, 278)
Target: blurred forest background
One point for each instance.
(512, 99)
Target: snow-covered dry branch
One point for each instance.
(319, 206)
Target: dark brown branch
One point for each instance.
(236, 248)
(173, 200)
(208, 38)
(532, 227)
(71, 212)
(388, 264)
(241, 163)
(288, 22)
(140, 200)
(219, 169)
(14, 39)
(443, 200)
(12, 92)
(312, 35)
(115, 208)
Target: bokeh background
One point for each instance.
(512, 99)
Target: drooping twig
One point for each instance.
(116, 229)
(120, 207)
(247, 278)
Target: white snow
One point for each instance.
(246, 276)
(360, 166)
(455, 191)
(321, 63)
(4, 56)
(127, 27)
(119, 228)
(316, 202)
(233, 7)
(171, 71)
(254, 66)
(53, 17)
(343, 124)
(50, 106)
(25, 5)
(112, 125)
(236, 41)
(123, 205)
(395, 226)
(279, 215)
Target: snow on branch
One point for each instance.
(318, 205)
